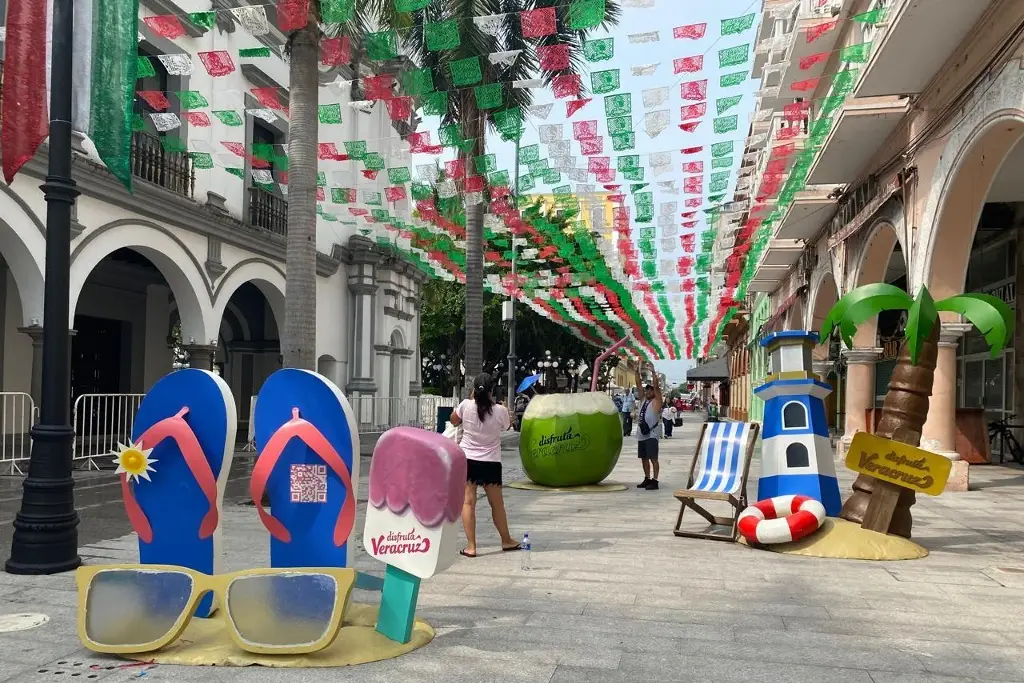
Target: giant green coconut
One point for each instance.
(570, 439)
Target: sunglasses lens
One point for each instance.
(135, 607)
(282, 610)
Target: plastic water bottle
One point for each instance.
(525, 552)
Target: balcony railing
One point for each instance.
(170, 170)
(268, 211)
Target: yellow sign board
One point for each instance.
(898, 463)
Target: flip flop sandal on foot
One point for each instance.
(465, 554)
(517, 546)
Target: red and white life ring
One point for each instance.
(781, 519)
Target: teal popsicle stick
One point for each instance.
(398, 605)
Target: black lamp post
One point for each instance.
(46, 527)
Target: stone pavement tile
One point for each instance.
(469, 645)
(985, 662)
(460, 600)
(893, 614)
(954, 578)
(950, 635)
(629, 614)
(897, 677)
(28, 648)
(13, 671)
(643, 628)
(614, 597)
(705, 669)
(580, 640)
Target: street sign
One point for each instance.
(898, 463)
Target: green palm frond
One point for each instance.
(862, 304)
(922, 319)
(991, 316)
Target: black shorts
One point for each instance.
(483, 473)
(648, 448)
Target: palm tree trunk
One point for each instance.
(298, 341)
(903, 415)
(474, 127)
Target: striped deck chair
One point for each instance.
(723, 453)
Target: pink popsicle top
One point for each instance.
(418, 469)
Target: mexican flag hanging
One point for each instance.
(103, 81)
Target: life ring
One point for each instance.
(782, 519)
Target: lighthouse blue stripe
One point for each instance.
(727, 449)
(721, 457)
(737, 446)
(708, 454)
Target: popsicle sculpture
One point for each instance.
(417, 485)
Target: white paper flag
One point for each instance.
(541, 111)
(489, 24)
(177, 65)
(655, 97)
(165, 121)
(506, 58)
(265, 114)
(253, 19)
(645, 69)
(647, 37)
(550, 132)
(655, 122)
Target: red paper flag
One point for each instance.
(815, 32)
(335, 51)
(787, 133)
(165, 26)
(236, 148)
(475, 183)
(155, 99)
(689, 127)
(455, 169)
(320, 194)
(368, 174)
(694, 91)
(692, 150)
(690, 31)
(693, 167)
(606, 176)
(693, 203)
(217, 62)
(292, 15)
(573, 106)
(25, 121)
(538, 23)
(689, 214)
(198, 119)
(268, 97)
(553, 57)
(688, 64)
(378, 87)
(693, 111)
(399, 108)
(599, 164)
(566, 85)
(584, 129)
(796, 111)
(327, 151)
(803, 86)
(594, 145)
(810, 60)
(395, 193)
(781, 151)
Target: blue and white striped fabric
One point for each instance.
(720, 468)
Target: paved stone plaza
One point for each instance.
(614, 596)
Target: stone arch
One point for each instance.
(952, 217)
(178, 265)
(236, 321)
(824, 295)
(876, 250)
(266, 276)
(329, 367)
(795, 315)
(397, 339)
(24, 249)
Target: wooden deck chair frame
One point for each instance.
(689, 498)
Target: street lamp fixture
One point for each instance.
(46, 527)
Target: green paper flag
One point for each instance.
(724, 104)
(466, 71)
(628, 161)
(173, 145)
(733, 79)
(488, 96)
(229, 117)
(356, 149)
(602, 82)
(399, 174)
(857, 54)
(526, 183)
(733, 56)
(410, 5)
(336, 11)
(138, 123)
(721, 149)
(253, 52)
(381, 45)
(737, 24)
(486, 163)
(509, 123)
(585, 14)
(205, 20)
(872, 17)
(623, 141)
(330, 113)
(435, 103)
(721, 162)
(145, 68)
(498, 179)
(619, 124)
(191, 99)
(529, 154)
(634, 174)
(599, 50)
(442, 35)
(618, 105)
(201, 160)
(418, 81)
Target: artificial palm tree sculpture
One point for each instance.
(906, 402)
(502, 36)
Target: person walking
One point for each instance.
(648, 424)
(668, 415)
(483, 422)
(628, 403)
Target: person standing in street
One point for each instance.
(628, 403)
(668, 415)
(648, 426)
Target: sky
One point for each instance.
(662, 17)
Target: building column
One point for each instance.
(860, 393)
(35, 333)
(416, 374)
(821, 368)
(200, 356)
(939, 433)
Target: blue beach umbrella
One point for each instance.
(527, 383)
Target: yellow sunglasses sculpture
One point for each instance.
(173, 474)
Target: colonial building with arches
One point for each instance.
(190, 267)
(919, 183)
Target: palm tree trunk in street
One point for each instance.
(298, 341)
(474, 127)
(903, 416)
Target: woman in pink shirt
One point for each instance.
(483, 422)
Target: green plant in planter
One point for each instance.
(570, 439)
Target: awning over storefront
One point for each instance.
(766, 327)
(715, 371)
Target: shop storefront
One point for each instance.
(761, 312)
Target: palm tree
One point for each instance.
(462, 107)
(906, 402)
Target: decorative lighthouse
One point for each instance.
(796, 455)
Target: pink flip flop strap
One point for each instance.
(315, 440)
(175, 428)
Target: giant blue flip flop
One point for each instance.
(308, 466)
(174, 472)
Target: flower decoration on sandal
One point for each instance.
(133, 460)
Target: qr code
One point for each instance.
(309, 483)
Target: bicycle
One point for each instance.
(1001, 429)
